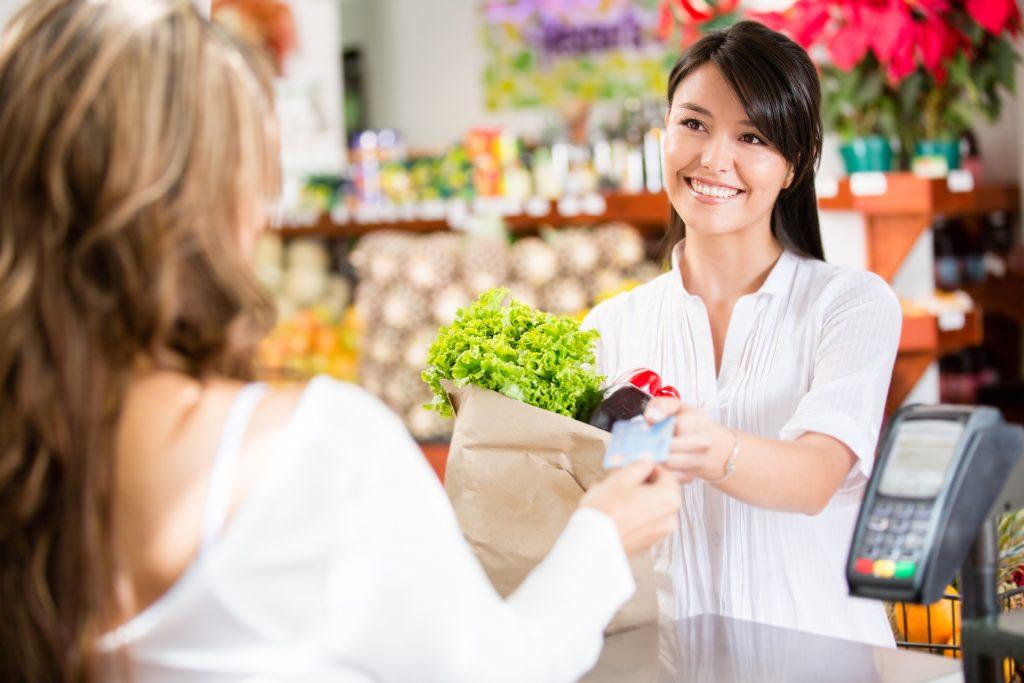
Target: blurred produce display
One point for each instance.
(312, 342)
(385, 182)
(318, 331)
(411, 285)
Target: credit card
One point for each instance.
(634, 440)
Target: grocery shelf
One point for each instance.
(906, 373)
(906, 193)
(922, 342)
(326, 227)
(648, 212)
(925, 333)
(899, 207)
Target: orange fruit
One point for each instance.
(955, 640)
(305, 322)
(929, 624)
(325, 340)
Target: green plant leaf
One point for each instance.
(1006, 59)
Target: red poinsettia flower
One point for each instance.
(805, 22)
(932, 40)
(665, 21)
(690, 15)
(994, 15)
(891, 31)
(697, 10)
(848, 46)
(938, 42)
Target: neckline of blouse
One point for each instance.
(776, 284)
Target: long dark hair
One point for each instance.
(136, 137)
(778, 86)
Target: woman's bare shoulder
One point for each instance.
(170, 430)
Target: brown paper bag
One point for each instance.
(515, 475)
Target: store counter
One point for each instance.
(723, 650)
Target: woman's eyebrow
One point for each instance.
(701, 110)
(695, 107)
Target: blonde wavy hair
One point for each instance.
(137, 143)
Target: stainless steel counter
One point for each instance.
(722, 650)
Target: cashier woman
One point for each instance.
(783, 360)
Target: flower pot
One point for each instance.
(867, 154)
(936, 158)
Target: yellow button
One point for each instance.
(885, 568)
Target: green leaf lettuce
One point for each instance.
(504, 345)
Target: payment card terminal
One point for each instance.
(938, 473)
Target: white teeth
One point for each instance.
(714, 190)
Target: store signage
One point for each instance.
(544, 52)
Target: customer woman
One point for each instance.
(782, 359)
(161, 517)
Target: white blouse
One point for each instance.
(346, 563)
(811, 351)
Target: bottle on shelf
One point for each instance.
(974, 256)
(947, 261)
(653, 144)
(988, 373)
(998, 241)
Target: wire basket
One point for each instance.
(934, 627)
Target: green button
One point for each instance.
(905, 570)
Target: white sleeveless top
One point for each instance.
(345, 563)
(811, 351)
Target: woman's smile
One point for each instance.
(709, 192)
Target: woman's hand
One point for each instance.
(700, 446)
(642, 499)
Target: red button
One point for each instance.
(864, 566)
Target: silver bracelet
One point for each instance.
(730, 463)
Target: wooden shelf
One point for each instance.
(922, 342)
(647, 211)
(907, 194)
(326, 227)
(923, 333)
(897, 218)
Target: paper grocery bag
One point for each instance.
(515, 475)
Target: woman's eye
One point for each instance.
(693, 124)
(752, 139)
